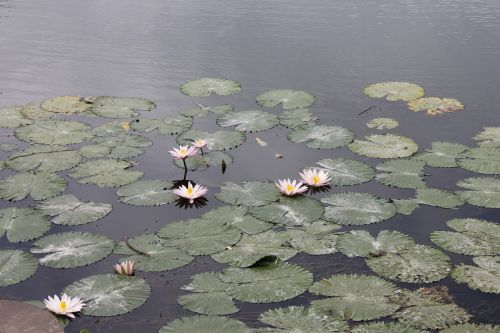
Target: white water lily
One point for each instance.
(200, 143)
(64, 306)
(125, 268)
(190, 192)
(315, 177)
(183, 152)
(288, 187)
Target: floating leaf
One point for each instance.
(39, 186)
(35, 112)
(7, 147)
(296, 118)
(120, 146)
(11, 117)
(472, 328)
(237, 217)
(250, 194)
(112, 128)
(435, 105)
(488, 137)
(382, 123)
(203, 110)
(289, 211)
(54, 132)
(251, 249)
(442, 154)
(429, 196)
(313, 244)
(68, 210)
(166, 126)
(321, 136)
(220, 140)
(354, 297)
(72, 249)
(16, 266)
(147, 193)
(22, 224)
(248, 121)
(289, 99)
(44, 158)
(412, 264)
(207, 86)
(395, 91)
(120, 107)
(482, 191)
(401, 173)
(384, 146)
(105, 173)
(109, 294)
(484, 277)
(267, 282)
(482, 160)
(202, 162)
(359, 243)
(347, 172)
(386, 328)
(65, 105)
(206, 324)
(353, 208)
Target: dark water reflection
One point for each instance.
(330, 48)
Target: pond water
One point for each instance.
(332, 49)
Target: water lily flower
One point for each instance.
(313, 177)
(183, 152)
(125, 268)
(190, 192)
(200, 143)
(288, 187)
(64, 306)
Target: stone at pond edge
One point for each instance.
(20, 317)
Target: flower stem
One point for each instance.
(185, 168)
(201, 151)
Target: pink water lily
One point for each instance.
(183, 152)
(200, 143)
(290, 188)
(190, 192)
(64, 306)
(125, 268)
(315, 177)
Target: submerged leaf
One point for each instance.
(22, 224)
(488, 137)
(435, 105)
(401, 173)
(290, 99)
(44, 158)
(207, 86)
(147, 193)
(16, 266)
(321, 136)
(120, 107)
(250, 194)
(384, 146)
(482, 191)
(202, 162)
(484, 277)
(359, 243)
(248, 121)
(65, 105)
(55, 132)
(105, 173)
(208, 324)
(39, 186)
(289, 211)
(482, 160)
(11, 117)
(347, 172)
(394, 91)
(220, 140)
(442, 154)
(382, 123)
(296, 118)
(166, 126)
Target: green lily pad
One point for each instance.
(220, 140)
(205, 324)
(289, 99)
(488, 137)
(354, 297)
(68, 210)
(207, 86)
(16, 266)
(250, 194)
(394, 91)
(289, 211)
(208, 159)
(65, 105)
(22, 224)
(321, 136)
(481, 191)
(105, 173)
(429, 196)
(120, 146)
(352, 208)
(248, 121)
(35, 112)
(484, 277)
(166, 126)
(8, 147)
(202, 110)
(386, 328)
(314, 243)
(401, 173)
(44, 158)
(482, 160)
(11, 117)
(39, 186)
(359, 243)
(435, 105)
(442, 154)
(109, 294)
(296, 118)
(120, 107)
(384, 146)
(147, 193)
(472, 328)
(412, 264)
(72, 249)
(114, 127)
(237, 217)
(347, 172)
(382, 123)
(54, 132)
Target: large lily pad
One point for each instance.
(250, 194)
(386, 328)
(442, 154)
(120, 146)
(68, 210)
(321, 136)
(435, 105)
(16, 266)
(289, 99)
(65, 104)
(248, 121)
(207, 86)
(22, 224)
(120, 107)
(317, 238)
(205, 324)
(401, 173)
(55, 132)
(39, 186)
(482, 160)
(109, 294)
(382, 123)
(166, 126)
(11, 117)
(290, 211)
(359, 243)
(208, 159)
(429, 196)
(220, 140)
(484, 277)
(296, 118)
(394, 91)
(384, 146)
(44, 158)
(147, 193)
(237, 217)
(354, 297)
(347, 172)
(488, 137)
(354, 208)
(481, 191)
(106, 173)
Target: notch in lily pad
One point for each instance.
(289, 99)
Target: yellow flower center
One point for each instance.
(189, 190)
(182, 151)
(289, 188)
(63, 306)
(315, 179)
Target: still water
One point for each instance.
(329, 48)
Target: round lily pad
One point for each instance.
(313, 243)
(220, 140)
(11, 117)
(119, 146)
(16, 266)
(395, 91)
(435, 105)
(321, 136)
(382, 123)
(22, 224)
(120, 107)
(54, 132)
(442, 154)
(248, 121)
(289, 99)
(401, 173)
(384, 146)
(296, 118)
(39, 186)
(481, 191)
(166, 126)
(35, 112)
(289, 211)
(359, 243)
(206, 324)
(65, 104)
(105, 173)
(484, 160)
(44, 158)
(147, 193)
(484, 277)
(237, 217)
(488, 137)
(207, 86)
(250, 194)
(347, 172)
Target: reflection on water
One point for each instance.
(330, 48)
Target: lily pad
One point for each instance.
(120, 107)
(442, 154)
(109, 294)
(22, 224)
(472, 328)
(114, 127)
(395, 91)
(296, 118)
(39, 186)
(8, 147)
(481, 191)
(237, 217)
(384, 146)
(354, 297)
(147, 193)
(11, 117)
(429, 196)
(359, 243)
(412, 264)
(65, 105)
(250, 194)
(72, 249)
(482, 160)
(35, 112)
(484, 277)
(120, 146)
(68, 210)
(105, 173)
(44, 158)
(382, 123)
(401, 173)
(16, 266)
(54, 132)
(248, 121)
(289, 99)
(205, 324)
(207, 86)
(488, 137)
(347, 172)
(352, 208)
(435, 105)
(313, 243)
(386, 328)
(203, 110)
(321, 136)
(208, 159)
(166, 126)
(220, 140)
(289, 211)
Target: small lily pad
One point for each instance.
(488, 137)
(120, 107)
(482, 160)
(401, 173)
(208, 159)
(39, 186)
(296, 118)
(105, 173)
(250, 194)
(442, 154)
(220, 140)
(289, 211)
(16, 266)
(22, 224)
(481, 191)
(289, 99)
(248, 121)
(435, 105)
(347, 172)
(394, 91)
(382, 123)
(11, 117)
(321, 136)
(384, 146)
(166, 126)
(205, 324)
(359, 243)
(207, 86)
(54, 132)
(484, 277)
(147, 193)
(44, 158)
(65, 105)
